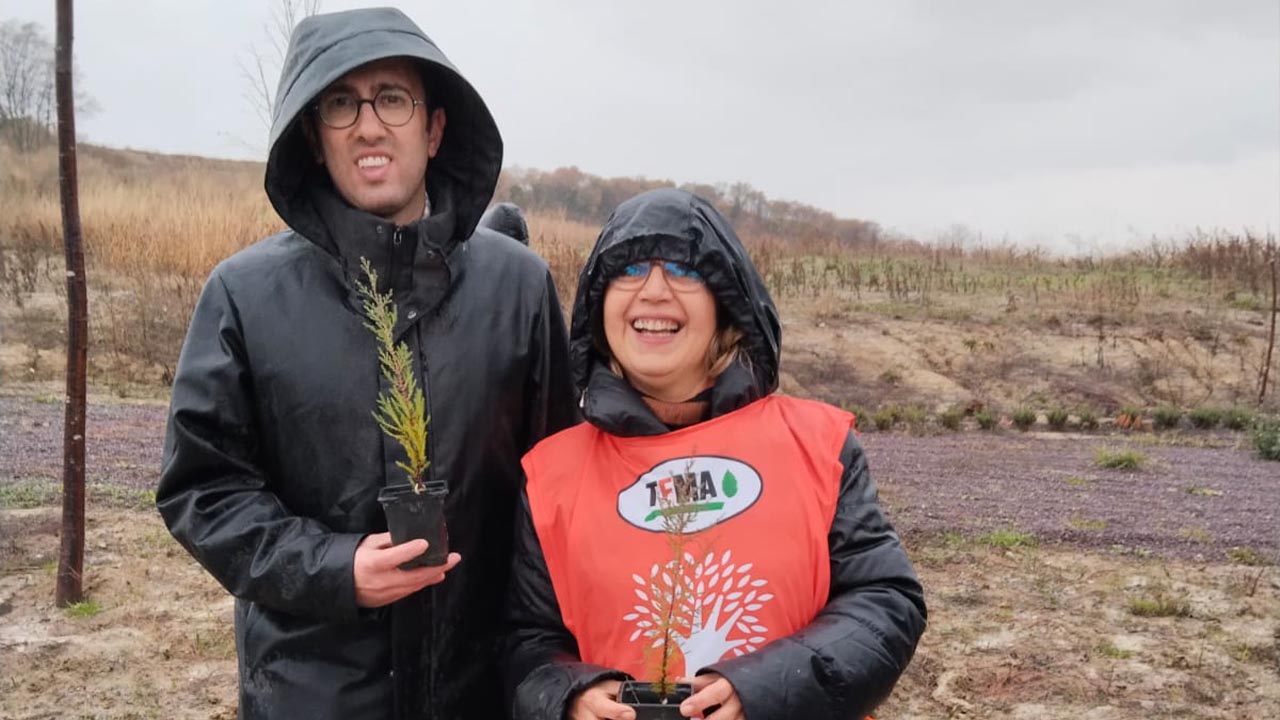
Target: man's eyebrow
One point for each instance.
(339, 86)
(345, 87)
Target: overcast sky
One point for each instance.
(1089, 123)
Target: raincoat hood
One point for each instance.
(508, 219)
(323, 48)
(679, 226)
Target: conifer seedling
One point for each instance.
(401, 411)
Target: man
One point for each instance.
(508, 219)
(273, 460)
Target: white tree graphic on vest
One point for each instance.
(719, 598)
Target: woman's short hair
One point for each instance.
(725, 349)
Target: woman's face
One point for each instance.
(659, 322)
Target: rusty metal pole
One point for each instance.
(70, 586)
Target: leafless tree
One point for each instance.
(26, 84)
(261, 64)
(27, 97)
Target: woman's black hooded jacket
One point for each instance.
(848, 658)
(273, 461)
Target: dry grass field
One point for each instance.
(1181, 324)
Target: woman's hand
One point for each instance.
(600, 702)
(710, 690)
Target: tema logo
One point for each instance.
(712, 488)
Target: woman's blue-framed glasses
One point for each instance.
(678, 275)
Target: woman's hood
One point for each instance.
(676, 225)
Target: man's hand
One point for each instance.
(379, 579)
(709, 690)
(599, 702)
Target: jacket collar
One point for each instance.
(611, 404)
(418, 262)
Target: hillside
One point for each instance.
(870, 321)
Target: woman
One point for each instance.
(697, 506)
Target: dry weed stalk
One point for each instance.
(1275, 310)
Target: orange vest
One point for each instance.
(754, 491)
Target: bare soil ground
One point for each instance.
(1056, 589)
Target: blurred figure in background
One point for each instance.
(508, 219)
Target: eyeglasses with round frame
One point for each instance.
(679, 276)
(393, 106)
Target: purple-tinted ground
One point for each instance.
(1187, 501)
(122, 442)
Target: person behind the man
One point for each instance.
(508, 219)
(273, 460)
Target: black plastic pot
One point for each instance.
(413, 515)
(649, 705)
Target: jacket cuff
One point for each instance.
(755, 678)
(548, 691)
(340, 564)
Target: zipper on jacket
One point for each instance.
(426, 397)
(431, 669)
(397, 236)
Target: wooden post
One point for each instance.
(70, 586)
(1271, 336)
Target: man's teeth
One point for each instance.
(652, 325)
(376, 161)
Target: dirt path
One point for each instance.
(1070, 628)
(154, 639)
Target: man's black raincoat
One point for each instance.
(273, 461)
(848, 659)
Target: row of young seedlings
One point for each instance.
(1264, 431)
(795, 275)
(1059, 418)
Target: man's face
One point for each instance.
(377, 167)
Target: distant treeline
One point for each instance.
(589, 199)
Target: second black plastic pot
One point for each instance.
(649, 705)
(412, 515)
